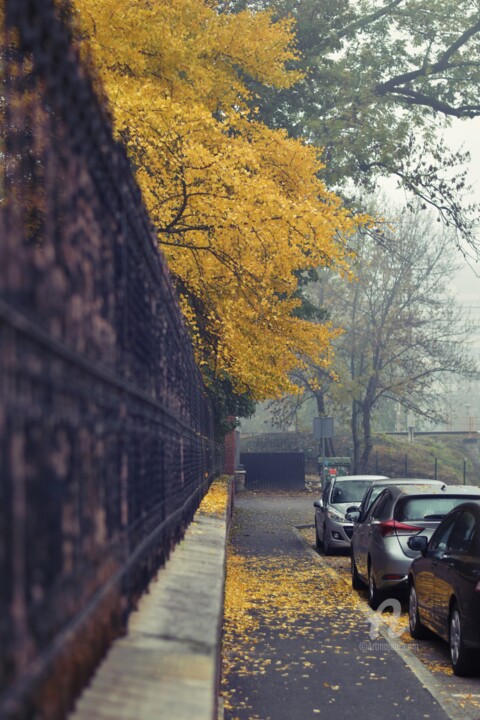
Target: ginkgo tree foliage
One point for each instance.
(238, 207)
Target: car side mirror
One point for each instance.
(418, 543)
(318, 503)
(353, 515)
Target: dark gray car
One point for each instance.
(380, 555)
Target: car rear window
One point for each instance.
(350, 491)
(429, 507)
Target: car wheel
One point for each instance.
(326, 545)
(318, 542)
(374, 595)
(417, 628)
(357, 583)
(463, 659)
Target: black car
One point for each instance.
(444, 586)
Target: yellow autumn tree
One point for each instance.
(238, 207)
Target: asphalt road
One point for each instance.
(299, 643)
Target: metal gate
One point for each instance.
(274, 471)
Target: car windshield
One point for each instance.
(349, 491)
(428, 508)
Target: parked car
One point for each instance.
(444, 586)
(380, 554)
(376, 488)
(332, 530)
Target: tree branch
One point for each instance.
(399, 82)
(368, 19)
(462, 40)
(413, 97)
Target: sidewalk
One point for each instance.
(297, 644)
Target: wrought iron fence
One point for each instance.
(106, 436)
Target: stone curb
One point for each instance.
(168, 664)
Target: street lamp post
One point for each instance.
(323, 430)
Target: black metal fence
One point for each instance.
(106, 436)
(402, 465)
(451, 457)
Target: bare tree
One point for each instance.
(404, 332)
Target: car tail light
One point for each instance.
(477, 587)
(393, 527)
(393, 577)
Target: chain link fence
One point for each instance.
(106, 436)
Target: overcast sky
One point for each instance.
(467, 283)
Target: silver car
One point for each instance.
(376, 488)
(380, 555)
(332, 530)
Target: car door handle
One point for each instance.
(447, 559)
